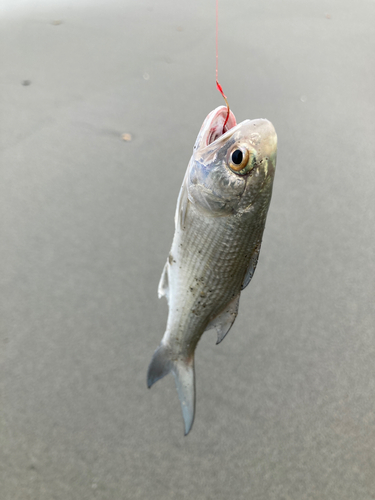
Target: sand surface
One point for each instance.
(286, 404)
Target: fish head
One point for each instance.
(229, 171)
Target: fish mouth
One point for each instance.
(216, 126)
(213, 126)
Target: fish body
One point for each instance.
(219, 222)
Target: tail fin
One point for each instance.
(184, 377)
(160, 366)
(183, 371)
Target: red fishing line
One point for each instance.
(218, 86)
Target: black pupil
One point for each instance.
(237, 157)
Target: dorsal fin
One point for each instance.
(163, 288)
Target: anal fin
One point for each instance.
(224, 321)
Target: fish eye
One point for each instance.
(238, 160)
(237, 157)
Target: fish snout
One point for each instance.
(264, 138)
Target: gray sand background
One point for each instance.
(286, 404)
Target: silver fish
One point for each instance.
(219, 222)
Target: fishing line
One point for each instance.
(218, 86)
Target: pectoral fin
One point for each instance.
(224, 321)
(182, 203)
(252, 266)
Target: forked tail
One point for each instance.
(164, 362)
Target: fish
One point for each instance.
(219, 222)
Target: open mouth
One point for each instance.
(216, 127)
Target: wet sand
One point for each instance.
(286, 404)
